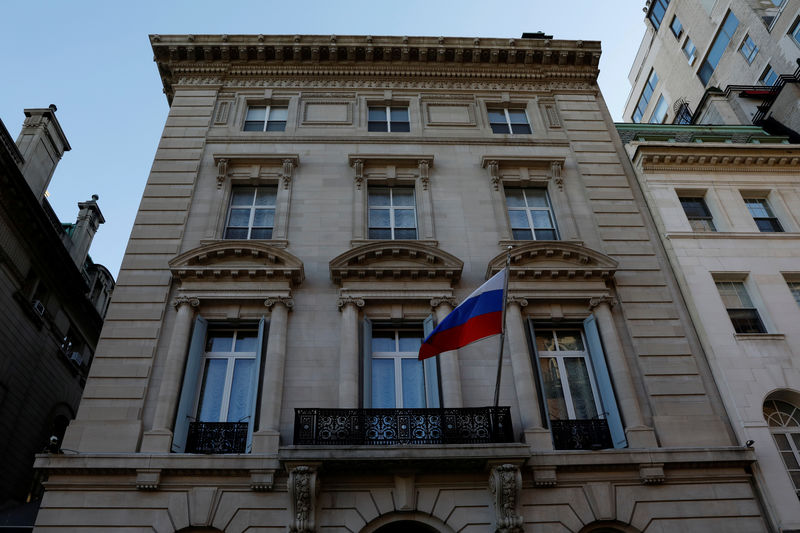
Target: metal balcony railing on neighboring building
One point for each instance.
(469, 425)
(217, 437)
(581, 434)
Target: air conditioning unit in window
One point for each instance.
(76, 359)
(38, 307)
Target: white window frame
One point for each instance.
(651, 83)
(707, 221)
(253, 208)
(794, 288)
(388, 110)
(661, 108)
(398, 356)
(508, 123)
(748, 49)
(528, 212)
(779, 424)
(691, 55)
(392, 210)
(269, 108)
(746, 303)
(769, 73)
(764, 203)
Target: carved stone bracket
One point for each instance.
(494, 173)
(555, 171)
(436, 302)
(424, 173)
(358, 172)
(262, 480)
(651, 473)
(285, 300)
(594, 302)
(303, 489)
(181, 300)
(522, 302)
(344, 300)
(148, 478)
(222, 171)
(544, 476)
(287, 171)
(505, 484)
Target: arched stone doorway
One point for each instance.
(407, 522)
(406, 526)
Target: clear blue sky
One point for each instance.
(93, 60)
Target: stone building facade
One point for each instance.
(316, 203)
(691, 46)
(727, 210)
(52, 302)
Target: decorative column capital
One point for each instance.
(505, 484)
(608, 300)
(181, 300)
(303, 488)
(358, 172)
(555, 171)
(443, 300)
(286, 172)
(222, 171)
(424, 173)
(287, 301)
(516, 300)
(342, 302)
(493, 167)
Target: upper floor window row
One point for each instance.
(657, 12)
(266, 118)
(726, 31)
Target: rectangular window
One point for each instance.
(794, 31)
(721, 41)
(748, 49)
(689, 50)
(769, 76)
(252, 212)
(676, 27)
(743, 314)
(657, 11)
(644, 99)
(514, 121)
(392, 213)
(794, 287)
(698, 214)
(266, 118)
(530, 214)
(389, 119)
(762, 214)
(660, 112)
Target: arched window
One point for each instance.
(783, 419)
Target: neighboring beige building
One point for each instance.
(690, 46)
(728, 211)
(315, 204)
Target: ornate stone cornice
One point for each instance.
(543, 260)
(395, 260)
(219, 57)
(287, 301)
(717, 157)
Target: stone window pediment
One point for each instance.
(395, 260)
(554, 260)
(238, 260)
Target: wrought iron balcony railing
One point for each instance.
(470, 425)
(217, 437)
(581, 434)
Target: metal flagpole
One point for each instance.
(503, 331)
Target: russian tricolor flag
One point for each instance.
(479, 316)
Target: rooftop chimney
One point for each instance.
(42, 143)
(89, 219)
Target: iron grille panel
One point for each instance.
(590, 434)
(470, 425)
(217, 437)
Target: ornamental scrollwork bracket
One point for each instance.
(494, 173)
(358, 172)
(303, 488)
(222, 171)
(287, 172)
(424, 173)
(505, 484)
(555, 171)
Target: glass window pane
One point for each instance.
(399, 114)
(541, 219)
(256, 113)
(254, 126)
(239, 217)
(383, 395)
(545, 342)
(380, 233)
(413, 383)
(402, 196)
(236, 233)
(241, 393)
(383, 341)
(497, 116)
(211, 390)
(405, 233)
(570, 341)
(378, 196)
(377, 114)
(795, 439)
(517, 116)
(781, 441)
(545, 234)
(246, 341)
(518, 219)
(522, 234)
(520, 129)
(219, 341)
(580, 388)
(266, 196)
(404, 218)
(757, 207)
(401, 127)
(790, 460)
(553, 390)
(260, 233)
(514, 198)
(500, 128)
(377, 126)
(242, 196)
(264, 218)
(379, 218)
(276, 126)
(278, 113)
(410, 341)
(536, 197)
